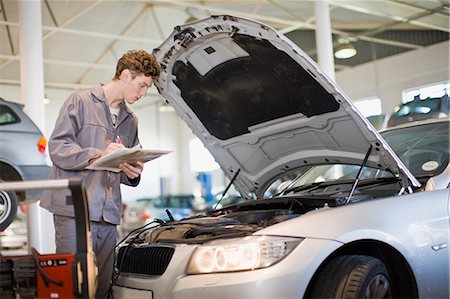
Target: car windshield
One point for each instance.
(319, 175)
(424, 149)
(420, 109)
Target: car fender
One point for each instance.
(388, 219)
(416, 225)
(3, 160)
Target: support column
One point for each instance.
(324, 40)
(39, 221)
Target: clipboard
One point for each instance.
(131, 155)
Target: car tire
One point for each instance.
(352, 276)
(8, 208)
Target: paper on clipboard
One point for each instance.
(112, 161)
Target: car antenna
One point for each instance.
(358, 176)
(228, 187)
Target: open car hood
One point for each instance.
(261, 106)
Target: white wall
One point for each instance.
(388, 77)
(149, 138)
(164, 130)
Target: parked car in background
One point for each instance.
(356, 213)
(419, 109)
(22, 157)
(145, 210)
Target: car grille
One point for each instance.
(149, 260)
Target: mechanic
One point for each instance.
(92, 123)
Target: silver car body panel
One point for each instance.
(413, 234)
(18, 145)
(356, 222)
(321, 126)
(175, 284)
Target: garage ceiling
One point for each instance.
(82, 40)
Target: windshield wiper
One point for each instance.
(379, 181)
(311, 187)
(362, 185)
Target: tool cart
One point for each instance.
(62, 275)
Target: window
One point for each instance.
(200, 158)
(7, 116)
(426, 102)
(429, 91)
(369, 106)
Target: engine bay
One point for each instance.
(234, 221)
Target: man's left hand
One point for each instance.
(132, 171)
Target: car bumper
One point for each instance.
(14, 236)
(288, 278)
(13, 242)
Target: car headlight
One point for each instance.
(240, 254)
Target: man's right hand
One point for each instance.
(113, 146)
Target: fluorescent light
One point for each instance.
(345, 51)
(165, 107)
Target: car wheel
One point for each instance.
(8, 208)
(353, 276)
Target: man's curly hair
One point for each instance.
(138, 61)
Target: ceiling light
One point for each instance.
(345, 51)
(165, 107)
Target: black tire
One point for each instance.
(352, 276)
(8, 208)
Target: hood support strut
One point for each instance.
(358, 176)
(228, 187)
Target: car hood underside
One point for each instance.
(261, 106)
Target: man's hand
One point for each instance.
(132, 171)
(113, 146)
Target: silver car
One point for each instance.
(22, 157)
(334, 209)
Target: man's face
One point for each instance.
(136, 87)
